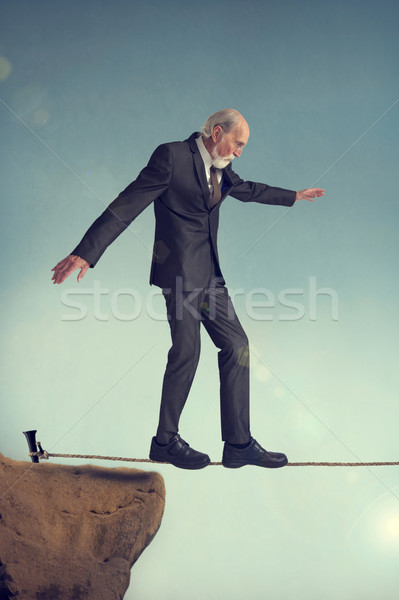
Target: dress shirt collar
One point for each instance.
(206, 157)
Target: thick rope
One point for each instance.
(46, 455)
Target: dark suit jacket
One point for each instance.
(186, 227)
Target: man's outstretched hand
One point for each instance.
(67, 266)
(309, 194)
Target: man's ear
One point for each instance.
(217, 133)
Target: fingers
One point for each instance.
(82, 272)
(312, 193)
(61, 272)
(68, 265)
(58, 270)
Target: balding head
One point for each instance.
(227, 119)
(225, 134)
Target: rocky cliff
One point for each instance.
(73, 533)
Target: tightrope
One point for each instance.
(46, 455)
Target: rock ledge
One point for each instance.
(73, 532)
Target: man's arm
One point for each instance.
(250, 191)
(152, 181)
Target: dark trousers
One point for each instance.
(213, 308)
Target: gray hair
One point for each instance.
(227, 118)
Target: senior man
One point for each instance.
(187, 182)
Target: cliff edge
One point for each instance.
(73, 533)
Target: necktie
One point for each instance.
(217, 194)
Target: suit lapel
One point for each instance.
(199, 167)
(226, 182)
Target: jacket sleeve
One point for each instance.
(152, 181)
(250, 191)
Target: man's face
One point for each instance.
(229, 145)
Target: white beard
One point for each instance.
(220, 162)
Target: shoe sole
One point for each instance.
(192, 467)
(237, 465)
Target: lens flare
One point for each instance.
(5, 68)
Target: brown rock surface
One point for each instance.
(73, 533)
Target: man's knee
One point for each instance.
(186, 353)
(237, 350)
(242, 356)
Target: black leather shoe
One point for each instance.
(179, 454)
(254, 454)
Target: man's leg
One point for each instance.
(226, 332)
(224, 328)
(184, 315)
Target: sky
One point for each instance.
(87, 91)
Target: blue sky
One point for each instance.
(88, 90)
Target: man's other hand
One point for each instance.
(309, 194)
(67, 266)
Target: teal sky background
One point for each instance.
(87, 91)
